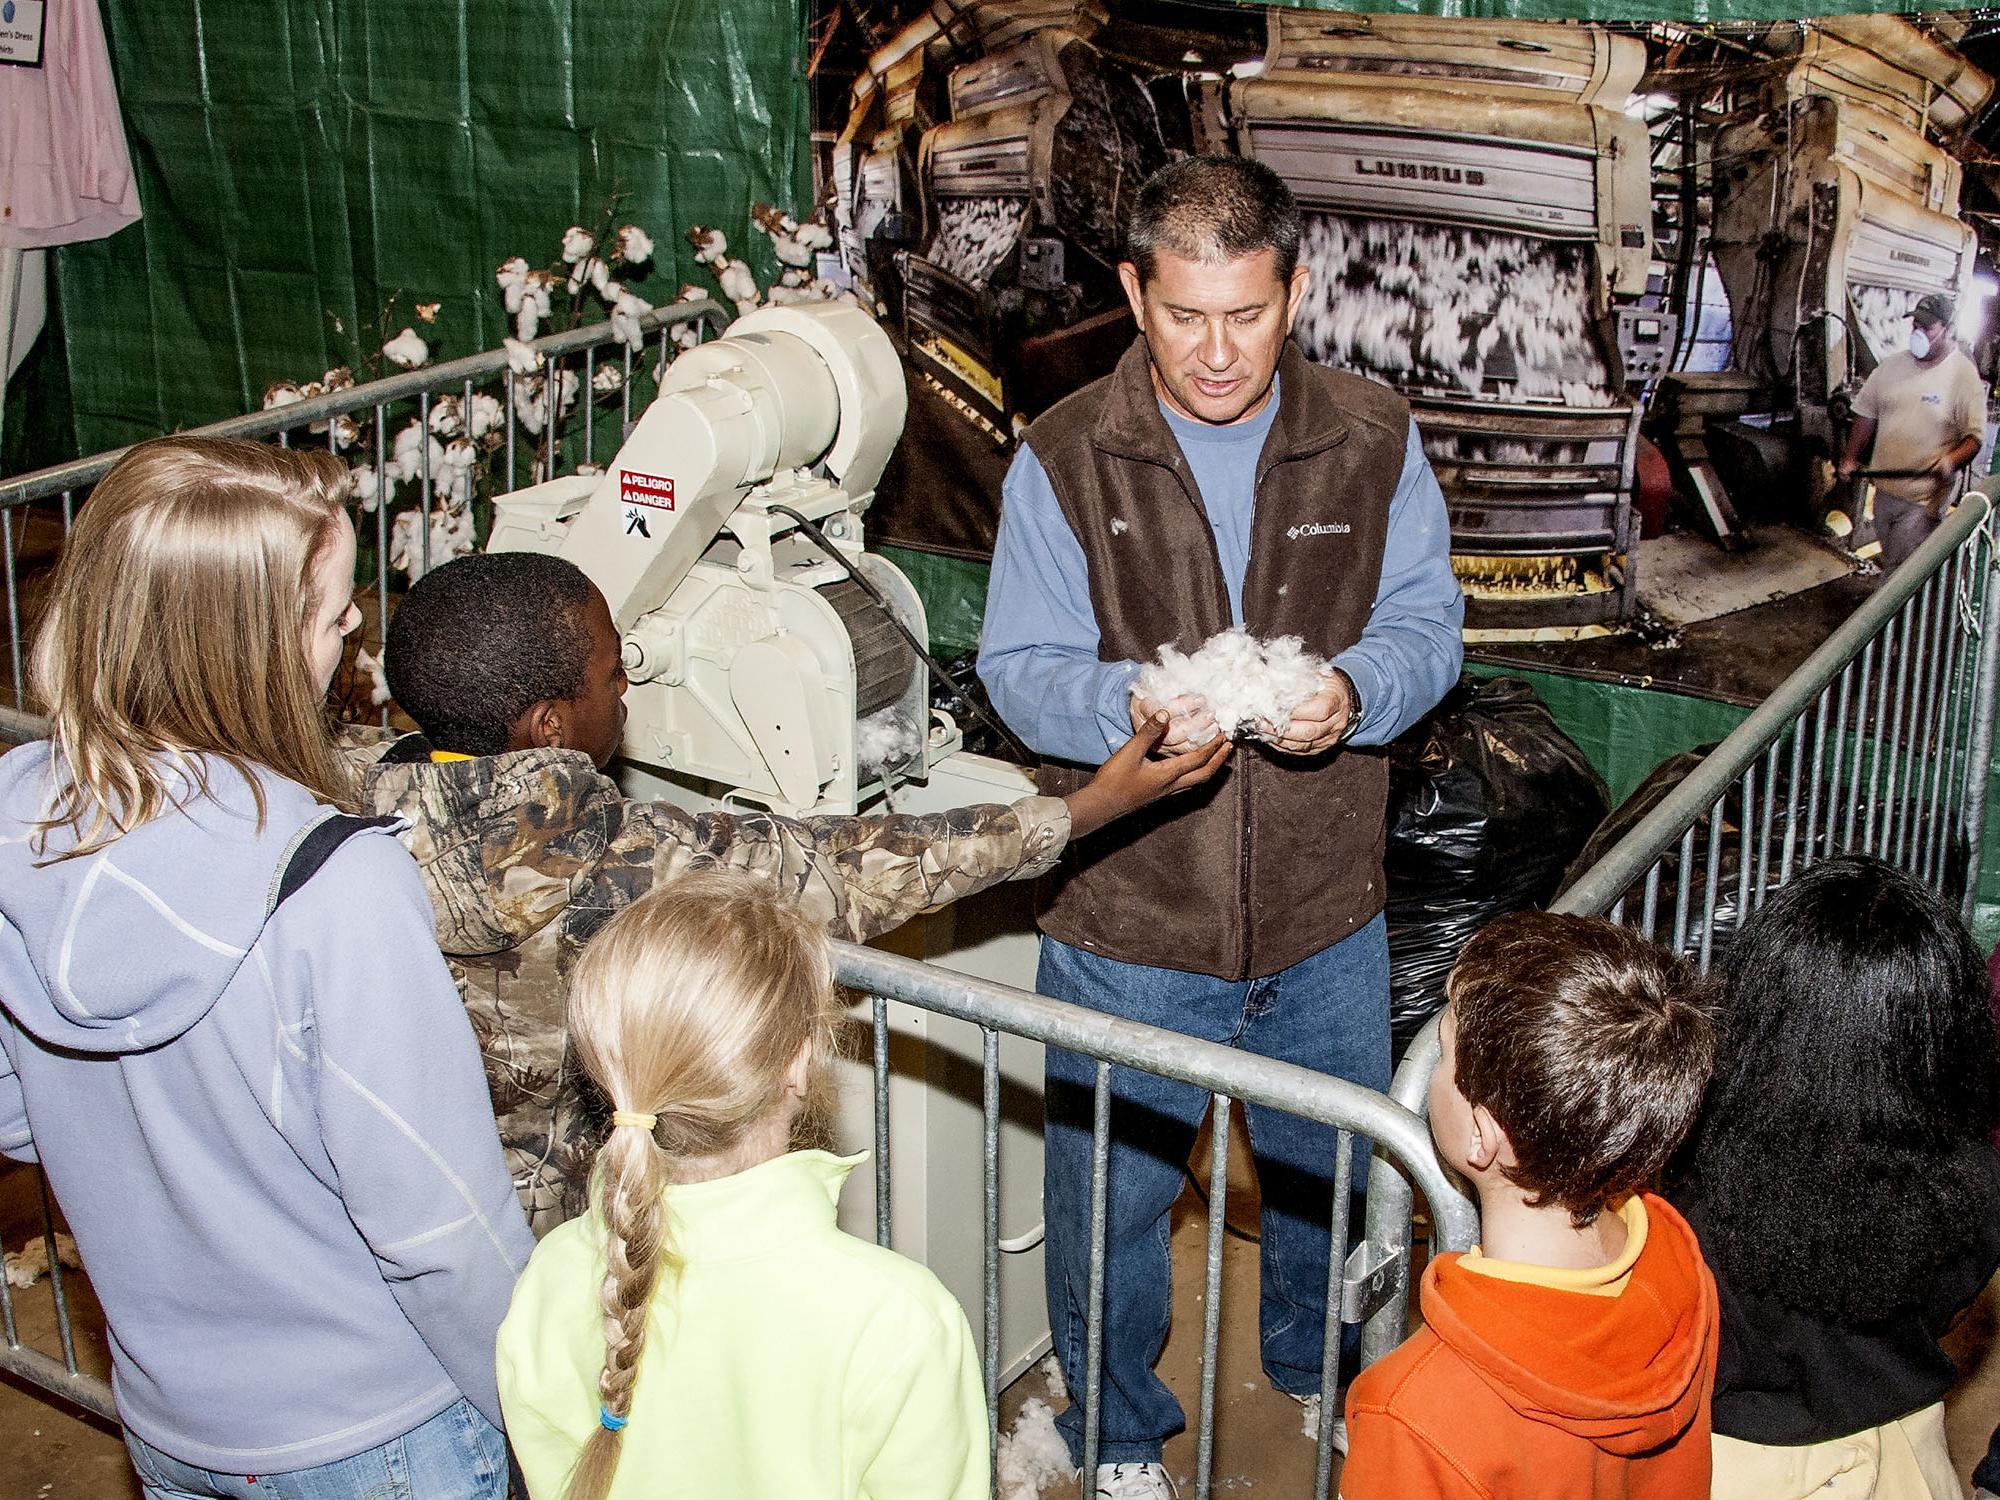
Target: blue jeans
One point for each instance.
(456, 1455)
(1330, 1013)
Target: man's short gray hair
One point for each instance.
(1213, 208)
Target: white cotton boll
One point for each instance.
(738, 285)
(608, 379)
(1032, 1457)
(634, 245)
(284, 393)
(452, 478)
(591, 269)
(411, 446)
(450, 536)
(371, 488)
(527, 321)
(885, 738)
(512, 275)
(625, 315)
(685, 335)
(486, 414)
(406, 349)
(813, 235)
(790, 251)
(783, 295)
(370, 666)
(1240, 678)
(520, 358)
(709, 245)
(566, 389)
(577, 243)
(528, 405)
(445, 417)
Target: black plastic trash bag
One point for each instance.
(1488, 803)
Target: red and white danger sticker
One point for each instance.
(655, 490)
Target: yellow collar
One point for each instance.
(1607, 1280)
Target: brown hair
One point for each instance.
(176, 630)
(1589, 1045)
(691, 1005)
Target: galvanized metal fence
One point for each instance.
(1361, 1286)
(1881, 743)
(529, 438)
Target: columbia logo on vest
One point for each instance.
(1319, 528)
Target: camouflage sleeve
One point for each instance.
(361, 745)
(858, 876)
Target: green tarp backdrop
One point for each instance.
(300, 162)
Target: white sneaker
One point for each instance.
(1309, 1422)
(1135, 1482)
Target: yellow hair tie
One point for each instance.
(634, 1118)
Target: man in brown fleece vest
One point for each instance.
(1217, 477)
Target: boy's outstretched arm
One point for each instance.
(862, 876)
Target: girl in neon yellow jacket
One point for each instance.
(707, 1330)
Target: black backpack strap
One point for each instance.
(316, 846)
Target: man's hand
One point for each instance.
(1317, 724)
(1135, 775)
(1945, 462)
(1189, 723)
(1847, 468)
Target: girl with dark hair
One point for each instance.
(1843, 1185)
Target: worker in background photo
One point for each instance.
(1217, 477)
(1923, 408)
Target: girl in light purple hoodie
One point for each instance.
(225, 1030)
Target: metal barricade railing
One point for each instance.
(1881, 742)
(1360, 1285)
(592, 349)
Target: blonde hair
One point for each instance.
(691, 1006)
(176, 630)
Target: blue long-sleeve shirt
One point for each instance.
(1038, 649)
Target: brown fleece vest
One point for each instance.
(1278, 857)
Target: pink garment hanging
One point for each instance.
(64, 172)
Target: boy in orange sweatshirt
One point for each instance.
(1572, 1352)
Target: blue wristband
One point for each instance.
(610, 1423)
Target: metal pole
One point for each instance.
(1711, 883)
(989, 1239)
(883, 1221)
(1093, 1341)
(1211, 1311)
(1979, 754)
(1329, 1359)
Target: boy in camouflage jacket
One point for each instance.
(510, 664)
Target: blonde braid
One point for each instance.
(694, 1004)
(631, 1183)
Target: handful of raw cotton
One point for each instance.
(1239, 677)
